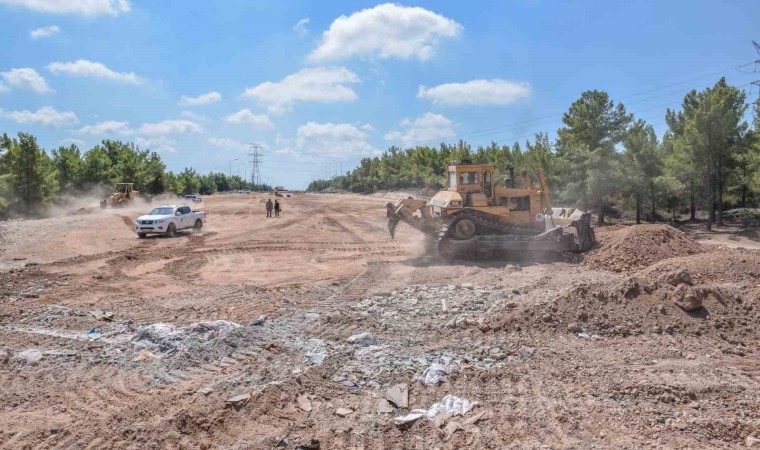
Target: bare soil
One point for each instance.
(109, 341)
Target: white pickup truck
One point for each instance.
(168, 219)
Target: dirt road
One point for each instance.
(108, 341)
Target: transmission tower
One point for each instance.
(756, 82)
(255, 160)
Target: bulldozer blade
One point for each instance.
(392, 224)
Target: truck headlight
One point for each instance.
(160, 221)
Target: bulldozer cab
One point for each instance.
(123, 188)
(465, 178)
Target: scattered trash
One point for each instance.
(383, 407)
(31, 356)
(304, 403)
(450, 406)
(238, 401)
(343, 412)
(259, 321)
(144, 355)
(364, 339)
(398, 395)
(94, 333)
(101, 315)
(436, 373)
(411, 417)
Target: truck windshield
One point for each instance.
(162, 212)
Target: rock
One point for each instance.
(526, 352)
(574, 328)
(304, 403)
(467, 286)
(398, 395)
(547, 317)
(343, 412)
(583, 316)
(259, 321)
(752, 441)
(364, 339)
(383, 407)
(629, 288)
(495, 351)
(444, 305)
(62, 352)
(685, 298)
(100, 315)
(205, 391)
(238, 400)
(511, 305)
(680, 276)
(144, 355)
(31, 356)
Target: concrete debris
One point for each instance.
(238, 401)
(383, 407)
(685, 297)
(436, 373)
(526, 352)
(304, 403)
(206, 391)
(63, 352)
(31, 356)
(343, 412)
(165, 337)
(398, 395)
(409, 418)
(752, 442)
(315, 351)
(444, 305)
(364, 339)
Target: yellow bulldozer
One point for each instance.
(123, 195)
(475, 217)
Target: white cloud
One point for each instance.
(26, 79)
(44, 32)
(204, 99)
(259, 121)
(108, 127)
(47, 116)
(424, 130)
(85, 68)
(193, 116)
(300, 27)
(169, 127)
(386, 31)
(4, 88)
(227, 143)
(90, 8)
(318, 84)
(476, 92)
(333, 140)
(160, 144)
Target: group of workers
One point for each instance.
(276, 208)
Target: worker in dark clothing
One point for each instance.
(269, 208)
(276, 208)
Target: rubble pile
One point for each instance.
(632, 248)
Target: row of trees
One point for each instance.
(708, 158)
(31, 179)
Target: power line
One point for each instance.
(255, 175)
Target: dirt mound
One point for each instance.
(638, 246)
(725, 265)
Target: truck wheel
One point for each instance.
(141, 235)
(198, 225)
(171, 230)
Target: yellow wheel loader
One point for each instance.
(478, 218)
(123, 195)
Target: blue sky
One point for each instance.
(320, 84)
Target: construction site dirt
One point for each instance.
(316, 330)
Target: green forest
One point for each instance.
(31, 180)
(605, 159)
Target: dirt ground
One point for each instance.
(250, 335)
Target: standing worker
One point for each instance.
(276, 208)
(269, 208)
